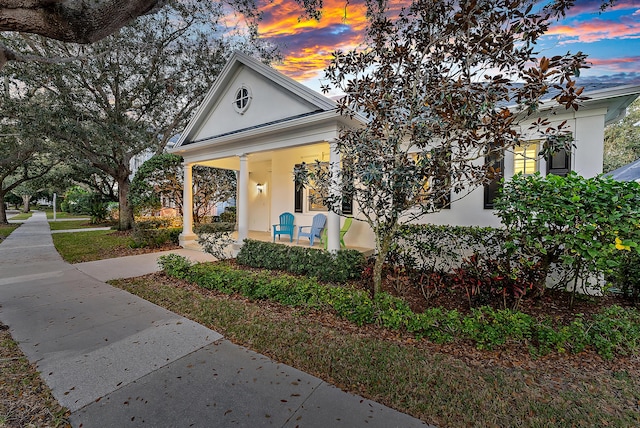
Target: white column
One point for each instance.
(333, 219)
(242, 207)
(187, 206)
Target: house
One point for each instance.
(261, 124)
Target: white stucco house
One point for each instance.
(261, 123)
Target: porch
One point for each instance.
(268, 237)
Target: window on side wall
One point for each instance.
(525, 158)
(559, 163)
(437, 186)
(495, 167)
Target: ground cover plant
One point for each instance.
(25, 400)
(450, 384)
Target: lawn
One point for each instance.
(64, 215)
(79, 247)
(446, 385)
(22, 216)
(6, 229)
(73, 224)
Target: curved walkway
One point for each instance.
(114, 359)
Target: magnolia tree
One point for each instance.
(433, 89)
(162, 178)
(132, 91)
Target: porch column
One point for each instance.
(242, 207)
(333, 219)
(187, 234)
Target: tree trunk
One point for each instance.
(125, 208)
(385, 243)
(25, 203)
(3, 212)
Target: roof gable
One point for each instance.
(271, 97)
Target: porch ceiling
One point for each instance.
(233, 162)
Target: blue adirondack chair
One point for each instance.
(315, 229)
(285, 227)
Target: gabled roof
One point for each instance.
(236, 61)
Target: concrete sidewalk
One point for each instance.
(117, 360)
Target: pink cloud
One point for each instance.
(624, 64)
(596, 30)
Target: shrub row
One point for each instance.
(158, 222)
(432, 248)
(345, 265)
(614, 331)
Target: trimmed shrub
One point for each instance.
(175, 265)
(346, 265)
(154, 232)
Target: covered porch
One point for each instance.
(261, 124)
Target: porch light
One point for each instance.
(260, 187)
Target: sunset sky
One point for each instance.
(611, 39)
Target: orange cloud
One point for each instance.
(307, 44)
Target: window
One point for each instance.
(347, 186)
(298, 192)
(559, 163)
(242, 99)
(436, 186)
(495, 168)
(314, 197)
(526, 158)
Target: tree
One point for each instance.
(69, 21)
(161, 178)
(433, 87)
(133, 91)
(622, 139)
(24, 155)
(89, 21)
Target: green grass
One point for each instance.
(62, 214)
(6, 229)
(22, 216)
(436, 386)
(79, 247)
(72, 224)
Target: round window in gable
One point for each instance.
(242, 100)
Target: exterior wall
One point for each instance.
(260, 202)
(586, 159)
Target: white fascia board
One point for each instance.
(277, 142)
(323, 126)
